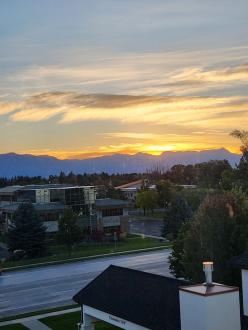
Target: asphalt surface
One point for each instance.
(147, 227)
(52, 286)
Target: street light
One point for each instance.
(115, 239)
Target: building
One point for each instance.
(49, 200)
(136, 300)
(110, 214)
(49, 213)
(131, 189)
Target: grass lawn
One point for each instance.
(59, 252)
(149, 216)
(13, 327)
(69, 322)
(38, 312)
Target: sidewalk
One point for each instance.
(32, 322)
(35, 325)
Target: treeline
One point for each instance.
(212, 174)
(217, 230)
(74, 179)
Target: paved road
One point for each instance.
(148, 227)
(33, 289)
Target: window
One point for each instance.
(112, 212)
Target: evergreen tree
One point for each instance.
(27, 232)
(176, 214)
(175, 259)
(218, 232)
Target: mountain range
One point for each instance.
(12, 164)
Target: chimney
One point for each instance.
(209, 306)
(244, 273)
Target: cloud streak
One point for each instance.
(72, 107)
(165, 73)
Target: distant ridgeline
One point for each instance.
(12, 164)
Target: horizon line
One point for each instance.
(95, 155)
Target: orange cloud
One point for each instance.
(205, 119)
(8, 107)
(75, 107)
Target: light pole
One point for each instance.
(90, 209)
(115, 239)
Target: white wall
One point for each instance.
(42, 195)
(245, 290)
(111, 221)
(216, 312)
(89, 195)
(112, 319)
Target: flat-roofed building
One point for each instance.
(49, 200)
(110, 213)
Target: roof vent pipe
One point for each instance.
(208, 270)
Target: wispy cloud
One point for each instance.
(8, 107)
(162, 73)
(198, 112)
(133, 135)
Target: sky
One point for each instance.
(87, 78)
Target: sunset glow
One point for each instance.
(87, 86)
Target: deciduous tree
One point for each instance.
(69, 232)
(147, 199)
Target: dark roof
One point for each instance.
(13, 189)
(109, 202)
(244, 323)
(240, 261)
(11, 208)
(150, 300)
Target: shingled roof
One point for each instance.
(149, 300)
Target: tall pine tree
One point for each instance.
(27, 232)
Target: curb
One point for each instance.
(78, 259)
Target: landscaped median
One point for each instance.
(58, 253)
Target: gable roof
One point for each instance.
(150, 300)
